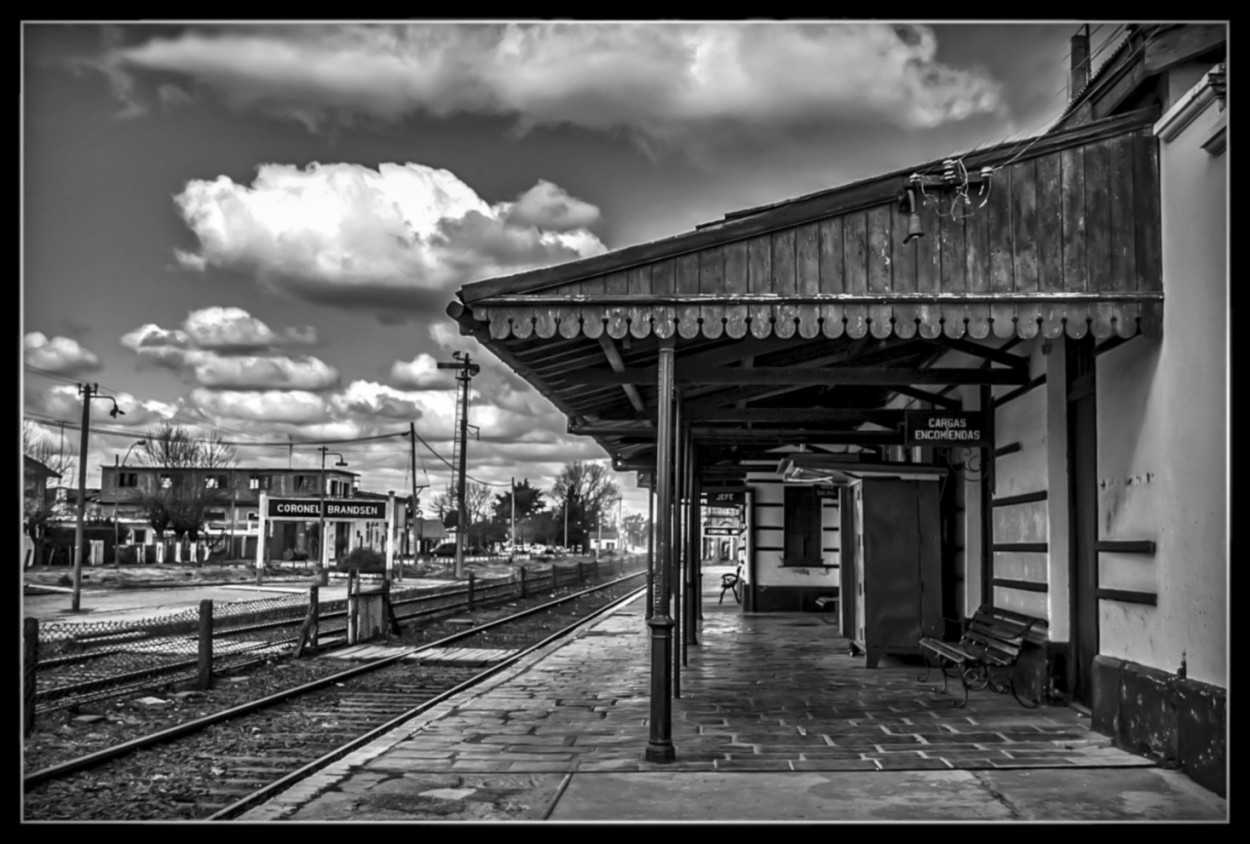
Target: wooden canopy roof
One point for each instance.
(800, 321)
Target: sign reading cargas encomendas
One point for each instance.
(310, 508)
(935, 427)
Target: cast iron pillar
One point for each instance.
(660, 745)
(676, 576)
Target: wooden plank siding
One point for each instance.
(1081, 220)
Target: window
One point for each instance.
(127, 479)
(802, 527)
(141, 536)
(215, 515)
(305, 483)
(260, 482)
(216, 482)
(167, 481)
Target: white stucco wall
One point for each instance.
(768, 568)
(1162, 444)
(1022, 420)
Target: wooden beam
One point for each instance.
(885, 297)
(782, 436)
(989, 353)
(739, 351)
(863, 376)
(935, 398)
(801, 415)
(1181, 44)
(618, 365)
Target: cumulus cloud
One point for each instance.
(660, 82)
(235, 330)
(293, 406)
(59, 354)
(252, 373)
(395, 239)
(549, 206)
(229, 349)
(421, 373)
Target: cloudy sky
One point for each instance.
(255, 229)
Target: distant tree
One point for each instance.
(529, 503)
(181, 499)
(635, 529)
(477, 509)
(583, 490)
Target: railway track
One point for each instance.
(219, 765)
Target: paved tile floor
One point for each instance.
(763, 694)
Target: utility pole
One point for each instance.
(88, 392)
(412, 436)
(466, 369)
(322, 546)
(513, 496)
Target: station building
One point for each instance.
(999, 378)
(230, 499)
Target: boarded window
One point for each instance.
(802, 527)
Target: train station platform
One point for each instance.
(776, 721)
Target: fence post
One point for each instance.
(30, 660)
(522, 581)
(206, 644)
(470, 590)
(351, 605)
(389, 609)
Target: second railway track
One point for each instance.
(219, 765)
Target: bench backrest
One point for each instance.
(998, 633)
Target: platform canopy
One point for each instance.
(800, 321)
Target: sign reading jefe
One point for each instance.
(934, 427)
(304, 508)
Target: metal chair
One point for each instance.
(731, 583)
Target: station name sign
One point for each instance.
(306, 508)
(935, 427)
(724, 499)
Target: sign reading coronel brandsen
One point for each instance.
(305, 508)
(937, 427)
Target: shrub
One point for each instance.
(364, 560)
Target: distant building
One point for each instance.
(232, 506)
(608, 540)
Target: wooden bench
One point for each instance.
(992, 642)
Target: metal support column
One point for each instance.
(660, 744)
(676, 576)
(695, 544)
(650, 549)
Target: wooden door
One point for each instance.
(892, 602)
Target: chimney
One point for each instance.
(1080, 63)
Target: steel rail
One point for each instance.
(170, 733)
(333, 756)
(125, 682)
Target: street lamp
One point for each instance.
(88, 392)
(325, 575)
(117, 491)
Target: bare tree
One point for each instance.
(175, 447)
(182, 498)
